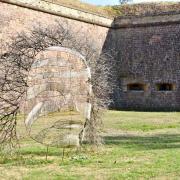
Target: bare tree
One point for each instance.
(16, 62)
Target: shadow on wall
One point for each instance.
(145, 72)
(110, 47)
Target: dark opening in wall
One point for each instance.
(136, 87)
(165, 87)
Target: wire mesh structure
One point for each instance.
(24, 51)
(59, 81)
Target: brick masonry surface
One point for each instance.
(150, 56)
(59, 80)
(148, 52)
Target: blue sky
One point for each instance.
(112, 2)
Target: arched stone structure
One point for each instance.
(58, 80)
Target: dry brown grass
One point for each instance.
(100, 10)
(123, 10)
(144, 9)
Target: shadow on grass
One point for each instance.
(18, 160)
(162, 141)
(41, 151)
(52, 151)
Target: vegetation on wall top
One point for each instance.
(77, 4)
(144, 9)
(122, 10)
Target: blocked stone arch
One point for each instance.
(59, 79)
(22, 54)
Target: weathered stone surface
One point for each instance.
(149, 55)
(16, 19)
(148, 50)
(60, 86)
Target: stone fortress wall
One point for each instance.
(21, 15)
(148, 60)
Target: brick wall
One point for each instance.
(148, 49)
(15, 19)
(150, 56)
(59, 80)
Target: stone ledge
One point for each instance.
(63, 11)
(152, 20)
(95, 19)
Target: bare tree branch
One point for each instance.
(16, 62)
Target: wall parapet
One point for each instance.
(61, 10)
(150, 20)
(49, 7)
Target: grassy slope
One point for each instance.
(84, 6)
(137, 146)
(144, 9)
(123, 10)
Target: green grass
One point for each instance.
(137, 145)
(142, 121)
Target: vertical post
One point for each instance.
(1, 46)
(47, 150)
(63, 154)
(88, 106)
